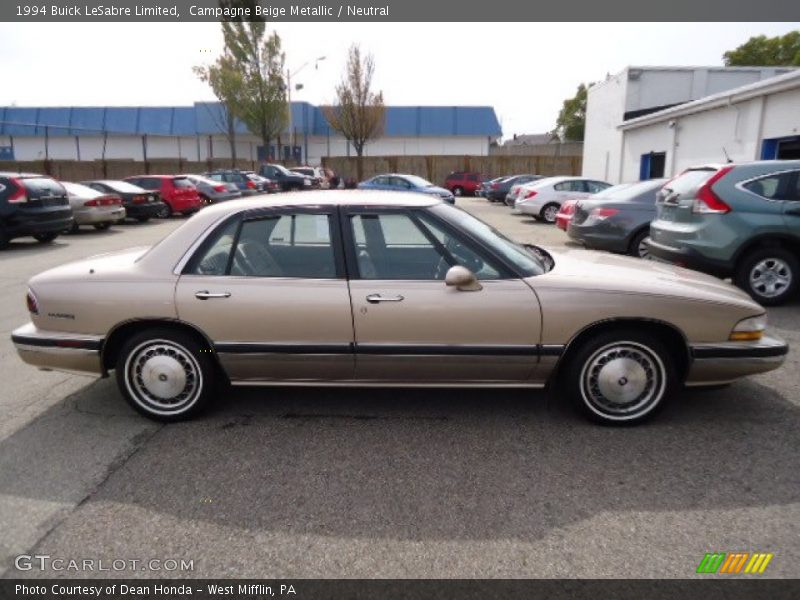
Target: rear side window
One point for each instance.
(42, 187)
(149, 183)
(570, 186)
(780, 186)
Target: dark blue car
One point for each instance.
(394, 182)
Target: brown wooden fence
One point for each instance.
(437, 168)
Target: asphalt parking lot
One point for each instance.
(289, 482)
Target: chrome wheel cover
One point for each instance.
(623, 381)
(550, 213)
(642, 250)
(163, 377)
(770, 277)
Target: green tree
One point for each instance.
(571, 121)
(227, 84)
(782, 50)
(358, 113)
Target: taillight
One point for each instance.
(33, 304)
(251, 185)
(495, 186)
(19, 195)
(91, 203)
(140, 199)
(706, 201)
(219, 188)
(603, 213)
(529, 194)
(567, 209)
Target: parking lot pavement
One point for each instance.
(289, 482)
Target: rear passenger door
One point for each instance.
(271, 293)
(780, 202)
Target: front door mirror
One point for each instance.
(463, 279)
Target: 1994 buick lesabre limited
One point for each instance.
(357, 288)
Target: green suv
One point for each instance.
(734, 220)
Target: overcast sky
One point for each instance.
(523, 70)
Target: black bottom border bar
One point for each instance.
(390, 589)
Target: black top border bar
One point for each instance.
(356, 11)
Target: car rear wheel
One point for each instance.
(549, 212)
(45, 238)
(458, 191)
(620, 377)
(4, 239)
(165, 212)
(769, 275)
(165, 375)
(143, 219)
(638, 247)
(102, 226)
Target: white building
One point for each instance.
(196, 133)
(635, 96)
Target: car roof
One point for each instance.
(22, 175)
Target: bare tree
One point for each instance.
(359, 113)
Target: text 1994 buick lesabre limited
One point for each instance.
(369, 288)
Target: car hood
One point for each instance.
(100, 266)
(598, 271)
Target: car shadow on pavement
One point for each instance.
(398, 463)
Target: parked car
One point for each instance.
(513, 193)
(564, 214)
(542, 198)
(287, 180)
(734, 220)
(485, 185)
(499, 189)
(397, 182)
(348, 288)
(90, 207)
(263, 185)
(463, 183)
(139, 203)
(32, 205)
(318, 179)
(245, 185)
(177, 193)
(617, 219)
(212, 191)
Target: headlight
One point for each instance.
(751, 329)
(306, 182)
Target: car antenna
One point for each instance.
(727, 158)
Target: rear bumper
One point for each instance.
(151, 209)
(59, 351)
(90, 216)
(690, 258)
(185, 205)
(591, 237)
(24, 223)
(728, 361)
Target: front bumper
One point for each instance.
(59, 351)
(725, 362)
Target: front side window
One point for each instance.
(596, 186)
(287, 245)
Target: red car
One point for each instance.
(178, 193)
(565, 213)
(462, 183)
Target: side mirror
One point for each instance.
(463, 279)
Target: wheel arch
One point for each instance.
(766, 240)
(122, 331)
(675, 340)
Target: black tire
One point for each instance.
(74, 228)
(45, 238)
(164, 212)
(548, 212)
(629, 358)
(769, 275)
(458, 191)
(636, 247)
(102, 226)
(4, 239)
(143, 219)
(158, 362)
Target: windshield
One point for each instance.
(201, 179)
(417, 181)
(526, 263)
(283, 170)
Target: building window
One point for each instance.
(652, 165)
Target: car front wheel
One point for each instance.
(769, 275)
(620, 378)
(165, 375)
(45, 238)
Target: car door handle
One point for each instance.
(375, 298)
(794, 212)
(206, 295)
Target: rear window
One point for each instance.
(182, 183)
(689, 181)
(82, 191)
(123, 186)
(41, 187)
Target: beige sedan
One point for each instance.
(358, 288)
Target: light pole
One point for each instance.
(298, 87)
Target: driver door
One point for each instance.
(411, 327)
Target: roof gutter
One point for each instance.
(704, 104)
